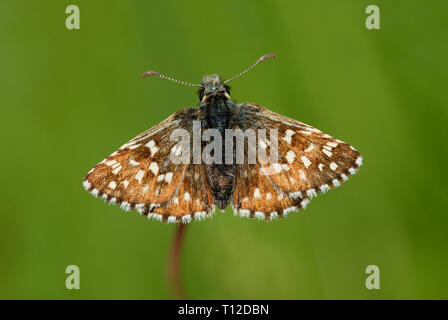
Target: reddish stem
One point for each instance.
(174, 269)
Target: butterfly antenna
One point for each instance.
(266, 56)
(157, 74)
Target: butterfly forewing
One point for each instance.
(309, 162)
(141, 176)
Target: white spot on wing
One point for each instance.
(140, 207)
(110, 162)
(328, 153)
(86, 184)
(154, 168)
(305, 161)
(152, 146)
(311, 147)
(336, 183)
(139, 176)
(288, 210)
(244, 213)
(168, 177)
(288, 135)
(112, 185)
(296, 195)
(186, 218)
(126, 183)
(199, 215)
(172, 219)
(333, 166)
(134, 146)
(259, 215)
(302, 175)
(311, 193)
(304, 203)
(290, 156)
(125, 206)
(117, 169)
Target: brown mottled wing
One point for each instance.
(141, 176)
(309, 162)
(257, 196)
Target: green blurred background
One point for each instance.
(70, 98)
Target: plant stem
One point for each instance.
(174, 269)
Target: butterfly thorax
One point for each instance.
(218, 114)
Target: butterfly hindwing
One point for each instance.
(256, 196)
(192, 200)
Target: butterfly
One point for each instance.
(142, 176)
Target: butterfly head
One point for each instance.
(213, 86)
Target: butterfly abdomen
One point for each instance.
(221, 176)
